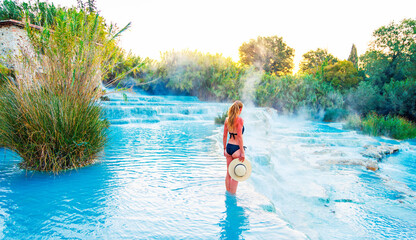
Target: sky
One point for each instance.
(222, 26)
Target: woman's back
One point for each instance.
(233, 132)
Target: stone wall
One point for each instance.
(13, 40)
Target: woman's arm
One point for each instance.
(224, 136)
(240, 138)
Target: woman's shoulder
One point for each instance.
(240, 120)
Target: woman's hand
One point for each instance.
(242, 157)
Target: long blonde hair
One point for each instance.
(233, 112)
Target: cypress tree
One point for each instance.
(353, 56)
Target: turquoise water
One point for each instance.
(161, 176)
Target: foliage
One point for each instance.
(44, 14)
(353, 56)
(394, 39)
(220, 119)
(395, 127)
(389, 66)
(10, 10)
(126, 66)
(335, 114)
(342, 75)
(353, 121)
(400, 98)
(270, 54)
(375, 65)
(376, 125)
(364, 98)
(314, 59)
(51, 132)
(391, 55)
(39, 13)
(89, 6)
(292, 93)
(6, 74)
(52, 118)
(204, 75)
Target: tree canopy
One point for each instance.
(315, 58)
(391, 53)
(270, 54)
(342, 75)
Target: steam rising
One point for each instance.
(248, 92)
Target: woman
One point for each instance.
(234, 125)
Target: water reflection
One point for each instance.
(235, 220)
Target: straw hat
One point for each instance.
(239, 171)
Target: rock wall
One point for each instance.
(14, 44)
(13, 40)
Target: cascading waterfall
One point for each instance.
(162, 176)
(315, 175)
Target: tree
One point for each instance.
(395, 43)
(342, 75)
(375, 65)
(353, 56)
(314, 59)
(270, 54)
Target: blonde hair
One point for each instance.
(233, 112)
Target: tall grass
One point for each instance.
(36, 12)
(391, 126)
(376, 125)
(220, 119)
(51, 115)
(11, 10)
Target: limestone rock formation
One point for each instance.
(380, 151)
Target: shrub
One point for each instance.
(291, 93)
(206, 76)
(353, 121)
(335, 114)
(220, 119)
(399, 98)
(364, 99)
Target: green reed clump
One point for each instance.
(391, 126)
(51, 114)
(376, 125)
(220, 119)
(51, 132)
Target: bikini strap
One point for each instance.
(233, 135)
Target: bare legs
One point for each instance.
(231, 184)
